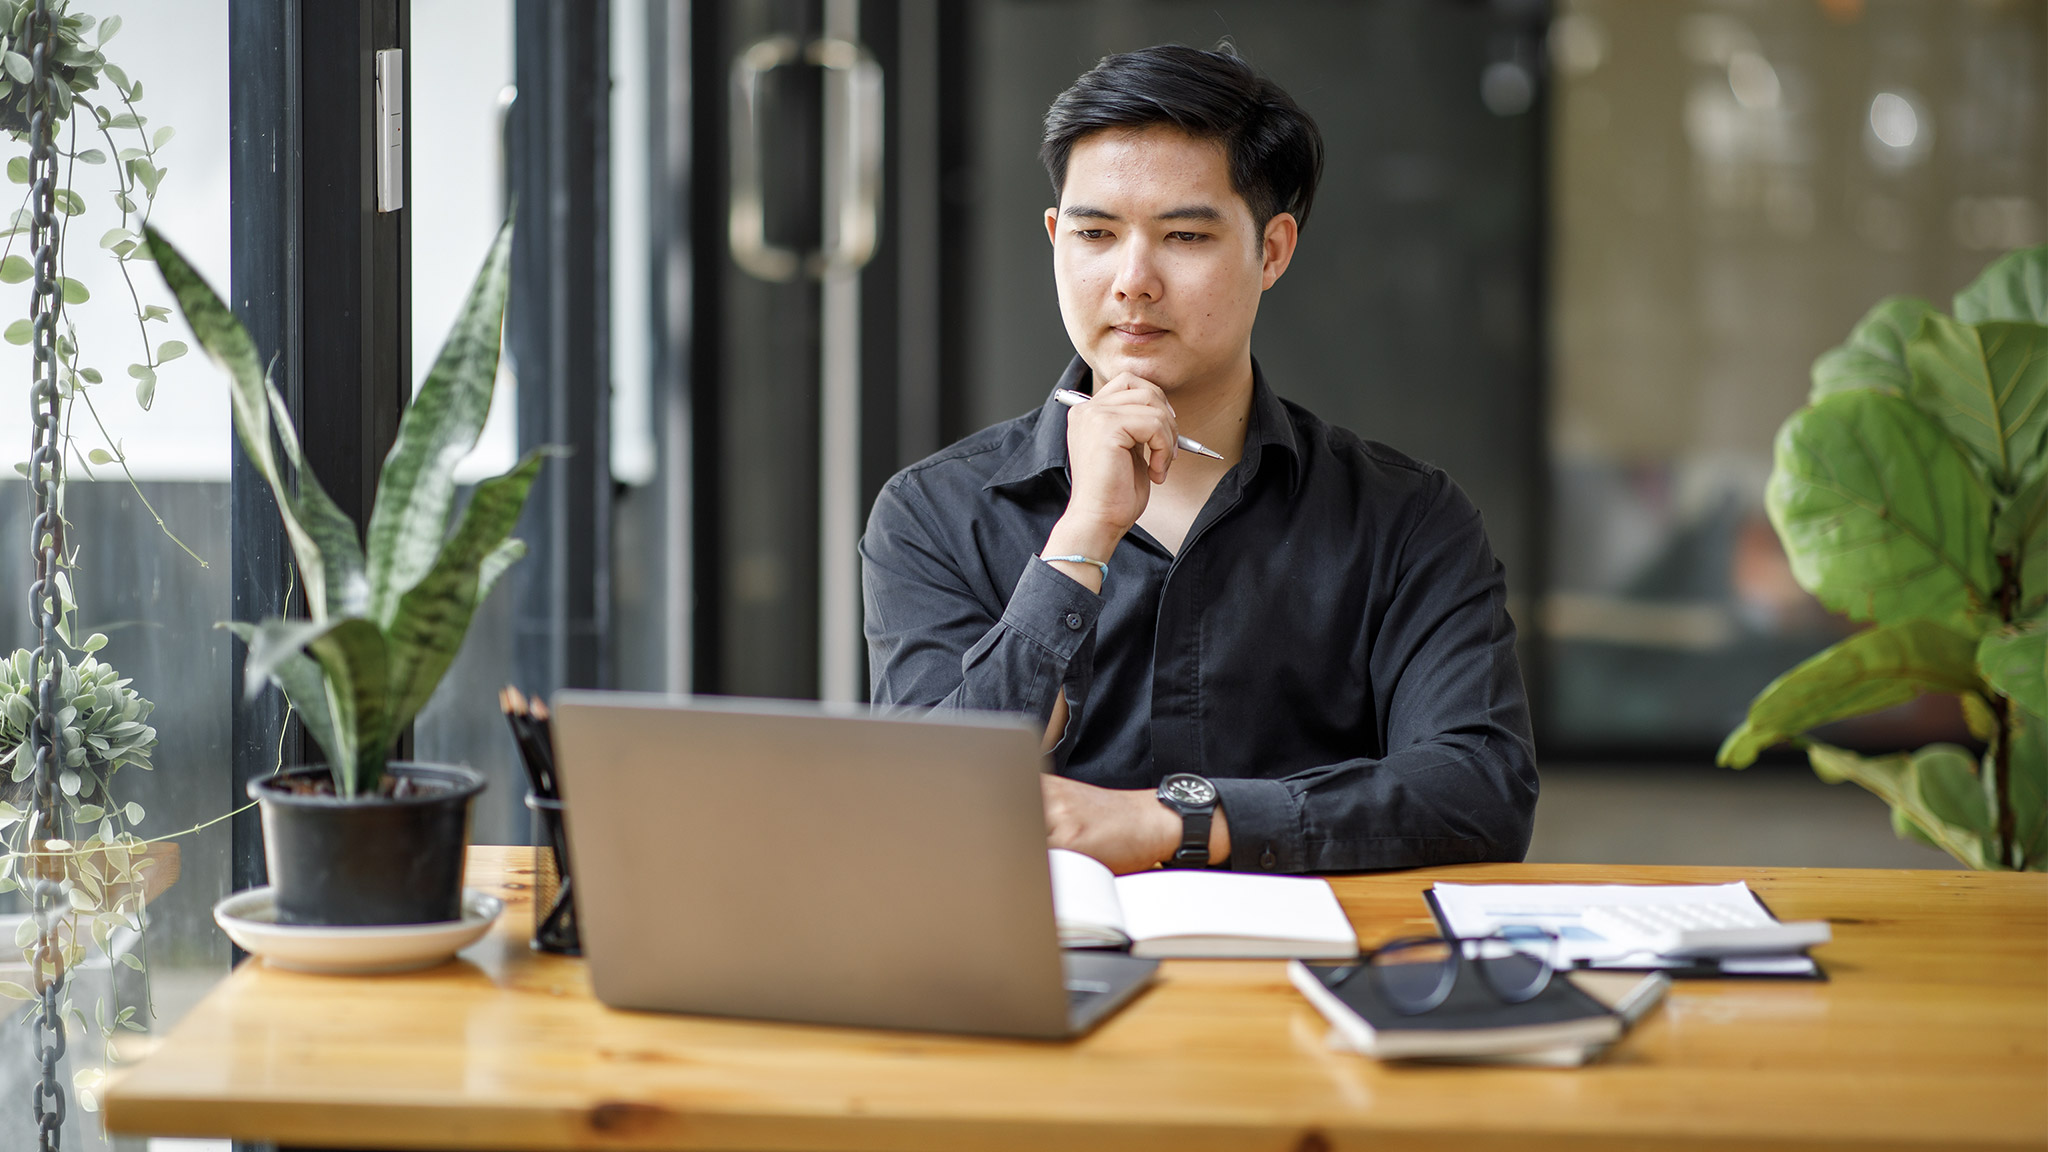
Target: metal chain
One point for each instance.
(45, 470)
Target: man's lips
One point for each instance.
(1137, 331)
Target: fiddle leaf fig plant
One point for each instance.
(1912, 492)
(383, 622)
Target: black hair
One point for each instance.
(1274, 149)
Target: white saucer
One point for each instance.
(250, 920)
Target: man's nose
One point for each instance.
(1137, 276)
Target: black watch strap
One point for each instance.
(1194, 838)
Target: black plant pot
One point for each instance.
(371, 859)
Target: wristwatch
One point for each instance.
(1195, 799)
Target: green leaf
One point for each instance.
(2015, 663)
(68, 202)
(1989, 387)
(272, 642)
(119, 77)
(149, 175)
(123, 201)
(128, 119)
(354, 659)
(170, 350)
(1923, 787)
(92, 375)
(2028, 788)
(331, 529)
(108, 28)
(17, 169)
(88, 813)
(1874, 356)
(417, 485)
(132, 812)
(432, 617)
(145, 384)
(162, 137)
(20, 332)
(2020, 531)
(13, 991)
(15, 269)
(17, 67)
(302, 683)
(100, 456)
(1872, 670)
(1881, 514)
(1950, 791)
(93, 643)
(114, 236)
(155, 312)
(2014, 287)
(74, 292)
(323, 540)
(92, 156)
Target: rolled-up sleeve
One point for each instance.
(934, 640)
(1458, 781)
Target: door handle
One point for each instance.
(854, 191)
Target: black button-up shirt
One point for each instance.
(1331, 646)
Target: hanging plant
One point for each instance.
(106, 176)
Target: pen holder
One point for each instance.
(554, 905)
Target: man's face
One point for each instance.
(1158, 262)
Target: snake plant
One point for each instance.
(383, 621)
(1912, 492)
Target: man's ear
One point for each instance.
(1052, 224)
(1281, 233)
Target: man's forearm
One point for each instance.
(1129, 830)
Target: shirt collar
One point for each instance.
(1045, 452)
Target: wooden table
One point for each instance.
(1933, 1033)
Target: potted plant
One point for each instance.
(1912, 492)
(362, 840)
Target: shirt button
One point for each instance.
(1266, 861)
(1073, 621)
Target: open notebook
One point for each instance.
(1178, 913)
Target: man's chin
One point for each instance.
(1165, 371)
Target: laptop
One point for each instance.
(795, 861)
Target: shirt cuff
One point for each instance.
(1265, 825)
(1052, 609)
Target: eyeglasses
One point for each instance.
(1417, 973)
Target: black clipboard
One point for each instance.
(1699, 969)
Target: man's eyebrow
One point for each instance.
(1200, 212)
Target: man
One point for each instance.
(1296, 658)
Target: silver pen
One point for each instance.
(1069, 397)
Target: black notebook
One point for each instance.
(1565, 1023)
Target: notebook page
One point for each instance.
(1084, 901)
(1176, 903)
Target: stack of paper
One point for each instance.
(1590, 921)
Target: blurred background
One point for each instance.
(1580, 254)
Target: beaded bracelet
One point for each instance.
(1102, 564)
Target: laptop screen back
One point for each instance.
(771, 859)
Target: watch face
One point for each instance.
(1189, 790)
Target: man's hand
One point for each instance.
(1128, 830)
(1119, 444)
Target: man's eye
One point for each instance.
(1185, 237)
(1091, 233)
